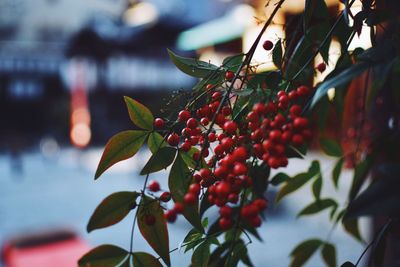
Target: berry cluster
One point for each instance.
(265, 135)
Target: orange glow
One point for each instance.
(80, 115)
(80, 135)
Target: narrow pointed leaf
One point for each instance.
(192, 67)
(317, 186)
(103, 256)
(140, 115)
(143, 259)
(127, 262)
(331, 147)
(277, 54)
(155, 142)
(112, 210)
(293, 184)
(318, 206)
(160, 160)
(336, 172)
(121, 146)
(351, 227)
(328, 253)
(157, 234)
(179, 181)
(201, 255)
(304, 251)
(279, 178)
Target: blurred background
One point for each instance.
(65, 66)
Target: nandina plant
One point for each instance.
(237, 125)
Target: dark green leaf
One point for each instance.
(345, 76)
(304, 251)
(380, 245)
(155, 142)
(188, 158)
(112, 210)
(157, 234)
(192, 67)
(161, 160)
(351, 227)
(127, 262)
(143, 259)
(140, 115)
(239, 251)
(331, 147)
(232, 63)
(360, 173)
(294, 152)
(204, 223)
(179, 181)
(260, 174)
(279, 178)
(317, 186)
(192, 239)
(318, 206)
(347, 264)
(103, 256)
(201, 255)
(121, 146)
(329, 254)
(277, 54)
(336, 172)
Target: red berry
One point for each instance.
(255, 221)
(226, 111)
(196, 155)
(173, 139)
(184, 115)
(191, 123)
(321, 67)
(230, 127)
(225, 211)
(223, 189)
(297, 140)
(300, 123)
(259, 108)
(268, 45)
(221, 172)
(227, 143)
(292, 95)
(225, 223)
(252, 116)
(274, 162)
(149, 219)
(229, 75)
(205, 121)
(165, 196)
(178, 208)
(205, 173)
(212, 137)
(209, 86)
(170, 216)
(260, 203)
(159, 123)
(248, 211)
(186, 146)
(275, 136)
(215, 97)
(240, 154)
(189, 199)
(295, 111)
(240, 168)
(154, 186)
(194, 189)
(303, 91)
(233, 198)
(219, 150)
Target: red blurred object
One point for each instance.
(61, 248)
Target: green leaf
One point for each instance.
(192, 239)
(188, 158)
(179, 181)
(380, 245)
(233, 63)
(328, 253)
(317, 186)
(351, 227)
(127, 262)
(157, 234)
(161, 160)
(304, 251)
(318, 206)
(259, 175)
(336, 172)
(112, 210)
(277, 54)
(121, 146)
(360, 173)
(192, 67)
(343, 77)
(331, 147)
(347, 264)
(155, 142)
(140, 115)
(103, 256)
(143, 259)
(239, 252)
(201, 255)
(279, 178)
(298, 181)
(204, 204)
